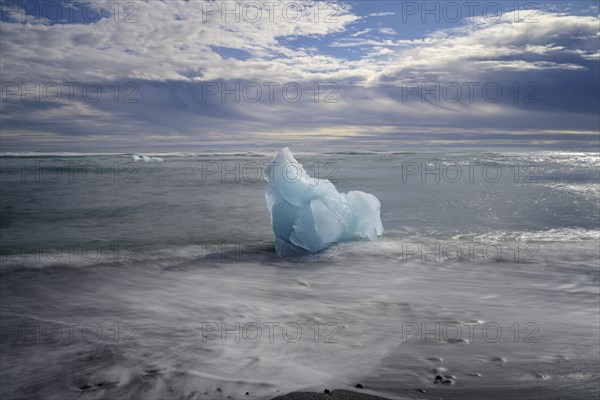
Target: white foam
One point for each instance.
(141, 157)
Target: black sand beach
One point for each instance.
(333, 395)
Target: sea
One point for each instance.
(154, 276)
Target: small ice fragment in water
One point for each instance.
(141, 157)
(310, 213)
(302, 282)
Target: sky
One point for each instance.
(188, 75)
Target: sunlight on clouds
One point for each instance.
(176, 46)
(185, 49)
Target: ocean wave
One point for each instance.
(561, 158)
(576, 159)
(588, 190)
(36, 154)
(41, 154)
(549, 235)
(145, 158)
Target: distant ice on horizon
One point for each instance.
(310, 213)
(141, 157)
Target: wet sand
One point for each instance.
(499, 392)
(333, 395)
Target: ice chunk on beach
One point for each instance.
(310, 213)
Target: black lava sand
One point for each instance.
(333, 395)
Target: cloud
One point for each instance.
(520, 65)
(176, 51)
(187, 48)
(465, 51)
(381, 14)
(387, 31)
(360, 33)
(162, 45)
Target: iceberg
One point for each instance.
(310, 213)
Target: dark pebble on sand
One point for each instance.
(359, 386)
(326, 391)
(247, 394)
(446, 379)
(105, 384)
